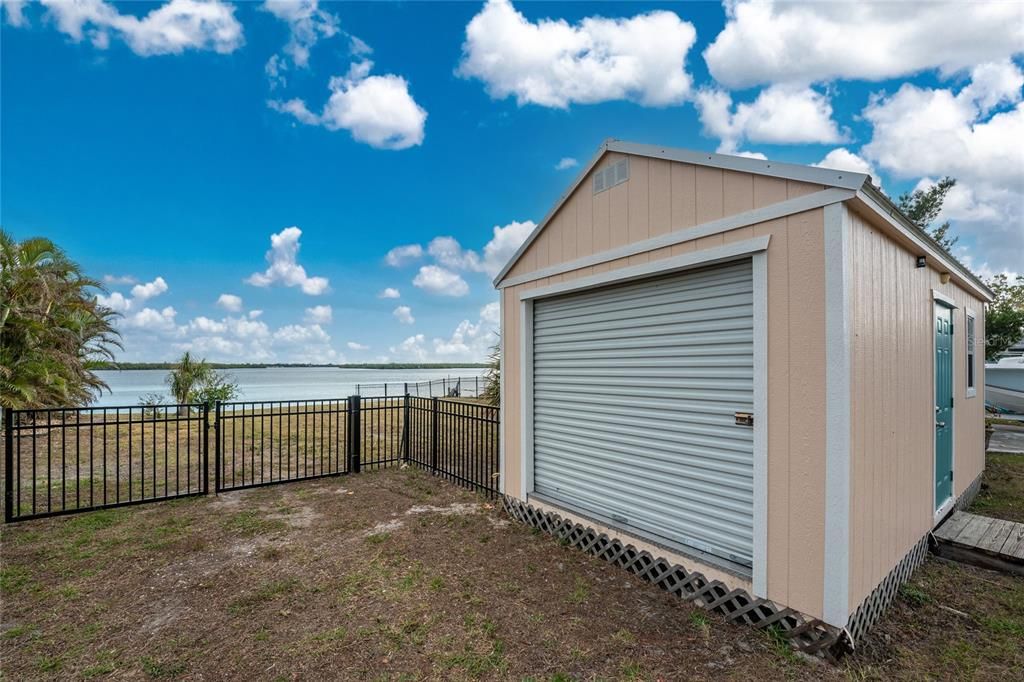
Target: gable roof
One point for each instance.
(860, 183)
(787, 171)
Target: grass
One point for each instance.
(1003, 422)
(1002, 494)
(264, 593)
(237, 586)
(251, 522)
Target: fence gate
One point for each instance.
(261, 443)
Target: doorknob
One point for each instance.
(939, 425)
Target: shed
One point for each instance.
(761, 373)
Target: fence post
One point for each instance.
(354, 437)
(434, 404)
(405, 427)
(206, 449)
(218, 456)
(8, 464)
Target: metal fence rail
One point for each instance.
(260, 443)
(456, 440)
(381, 431)
(63, 460)
(445, 387)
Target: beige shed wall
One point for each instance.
(663, 196)
(892, 403)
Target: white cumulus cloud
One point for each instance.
(389, 292)
(842, 158)
(403, 255)
(779, 115)
(319, 314)
(450, 255)
(376, 110)
(230, 302)
(441, 281)
(566, 162)
(140, 293)
(14, 10)
(307, 23)
(972, 135)
(469, 342)
(505, 240)
(554, 64)
(411, 349)
(284, 267)
(152, 319)
(172, 28)
(143, 292)
(355, 345)
(812, 42)
(403, 314)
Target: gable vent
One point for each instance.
(612, 175)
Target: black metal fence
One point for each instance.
(456, 440)
(64, 460)
(445, 387)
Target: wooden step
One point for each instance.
(982, 541)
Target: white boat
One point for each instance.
(1004, 383)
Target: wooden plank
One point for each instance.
(995, 537)
(974, 531)
(1014, 546)
(952, 527)
(976, 558)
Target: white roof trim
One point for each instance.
(787, 171)
(743, 164)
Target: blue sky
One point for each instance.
(163, 144)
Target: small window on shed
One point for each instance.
(971, 390)
(612, 175)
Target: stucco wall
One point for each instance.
(893, 416)
(663, 196)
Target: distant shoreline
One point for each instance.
(267, 365)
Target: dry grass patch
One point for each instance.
(227, 588)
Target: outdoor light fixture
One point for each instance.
(922, 261)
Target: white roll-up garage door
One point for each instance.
(636, 387)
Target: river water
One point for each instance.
(285, 383)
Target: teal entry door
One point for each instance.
(943, 404)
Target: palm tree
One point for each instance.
(53, 331)
(186, 377)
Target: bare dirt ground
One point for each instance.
(398, 575)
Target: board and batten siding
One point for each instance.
(664, 196)
(892, 419)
